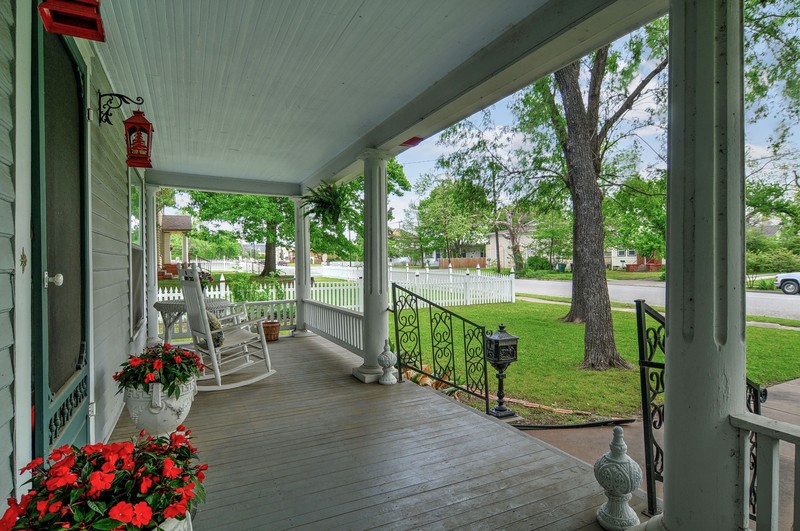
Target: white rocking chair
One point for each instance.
(230, 349)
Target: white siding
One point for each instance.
(6, 247)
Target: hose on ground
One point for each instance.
(607, 422)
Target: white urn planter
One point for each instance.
(173, 524)
(155, 412)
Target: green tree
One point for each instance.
(483, 158)
(636, 215)
(446, 223)
(578, 117)
(255, 218)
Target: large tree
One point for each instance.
(255, 218)
(578, 117)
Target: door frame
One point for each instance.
(41, 391)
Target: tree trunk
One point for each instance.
(590, 301)
(497, 246)
(270, 263)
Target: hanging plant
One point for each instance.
(325, 204)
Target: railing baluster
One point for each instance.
(768, 470)
(796, 513)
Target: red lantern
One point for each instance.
(78, 18)
(138, 138)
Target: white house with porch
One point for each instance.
(276, 97)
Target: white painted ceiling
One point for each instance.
(290, 91)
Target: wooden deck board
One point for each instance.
(312, 448)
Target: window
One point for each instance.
(136, 250)
(631, 252)
(608, 253)
(621, 253)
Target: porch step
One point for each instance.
(163, 275)
(171, 269)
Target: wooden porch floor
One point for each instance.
(312, 448)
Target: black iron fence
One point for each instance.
(442, 345)
(652, 356)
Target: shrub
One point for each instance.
(539, 263)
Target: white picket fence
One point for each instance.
(443, 287)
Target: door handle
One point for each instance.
(57, 280)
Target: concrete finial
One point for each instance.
(619, 475)
(387, 359)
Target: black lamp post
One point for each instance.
(501, 351)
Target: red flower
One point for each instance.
(158, 365)
(123, 511)
(149, 377)
(177, 359)
(61, 481)
(145, 485)
(135, 362)
(142, 514)
(170, 470)
(175, 509)
(10, 516)
(100, 481)
(167, 346)
(30, 466)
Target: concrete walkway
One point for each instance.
(588, 444)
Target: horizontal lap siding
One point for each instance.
(110, 277)
(6, 248)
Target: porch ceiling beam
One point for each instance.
(555, 35)
(219, 183)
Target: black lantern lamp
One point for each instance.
(501, 351)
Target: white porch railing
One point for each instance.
(769, 434)
(444, 287)
(341, 326)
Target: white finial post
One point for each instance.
(387, 359)
(619, 475)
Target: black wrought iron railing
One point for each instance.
(440, 344)
(652, 357)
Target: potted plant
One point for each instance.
(326, 204)
(150, 483)
(206, 279)
(159, 386)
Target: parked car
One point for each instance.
(789, 283)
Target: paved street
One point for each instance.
(772, 304)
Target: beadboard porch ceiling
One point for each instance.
(273, 95)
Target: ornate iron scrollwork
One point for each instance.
(438, 355)
(652, 354)
(110, 101)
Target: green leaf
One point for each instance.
(97, 506)
(106, 524)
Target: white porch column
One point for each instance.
(705, 362)
(302, 267)
(184, 248)
(151, 246)
(376, 265)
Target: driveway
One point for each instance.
(771, 304)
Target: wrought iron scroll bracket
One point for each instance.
(110, 101)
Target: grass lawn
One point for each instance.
(550, 352)
(611, 274)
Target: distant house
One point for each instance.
(505, 257)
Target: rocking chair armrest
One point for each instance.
(242, 324)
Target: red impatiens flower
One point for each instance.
(100, 481)
(135, 362)
(175, 509)
(158, 365)
(170, 470)
(123, 511)
(149, 377)
(177, 359)
(145, 485)
(33, 464)
(142, 514)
